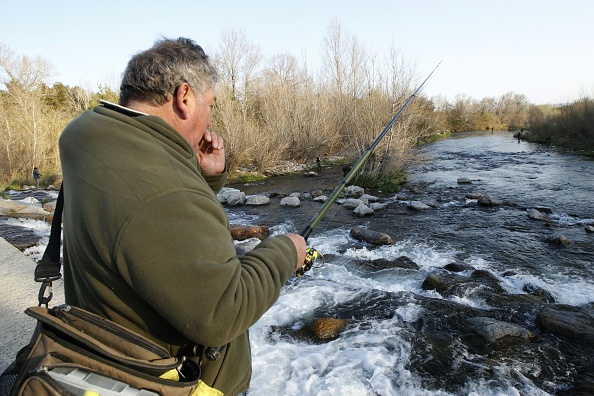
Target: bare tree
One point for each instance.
(25, 131)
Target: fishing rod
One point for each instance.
(311, 254)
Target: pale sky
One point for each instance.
(540, 48)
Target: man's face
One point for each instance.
(199, 120)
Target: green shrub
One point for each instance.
(386, 182)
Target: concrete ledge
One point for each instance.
(18, 291)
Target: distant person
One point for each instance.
(36, 176)
(319, 164)
(146, 241)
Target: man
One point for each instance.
(146, 242)
(36, 176)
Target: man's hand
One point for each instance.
(300, 246)
(211, 153)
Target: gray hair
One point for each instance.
(152, 76)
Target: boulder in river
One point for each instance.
(243, 232)
(569, 322)
(493, 330)
(363, 210)
(324, 329)
(488, 200)
(257, 200)
(10, 208)
(354, 191)
(292, 202)
(373, 237)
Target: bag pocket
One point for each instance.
(73, 347)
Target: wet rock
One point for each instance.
(542, 209)
(559, 240)
(488, 200)
(352, 203)
(17, 209)
(539, 292)
(320, 198)
(481, 283)
(310, 174)
(458, 267)
(493, 330)
(571, 322)
(535, 214)
(418, 205)
(473, 196)
(376, 206)
(20, 237)
(257, 200)
(464, 180)
(354, 191)
(317, 193)
(589, 228)
(243, 232)
(231, 196)
(373, 237)
(324, 329)
(292, 202)
(432, 203)
(363, 210)
(382, 264)
(368, 198)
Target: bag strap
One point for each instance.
(48, 268)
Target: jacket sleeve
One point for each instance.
(177, 254)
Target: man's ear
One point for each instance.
(182, 98)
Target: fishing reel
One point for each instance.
(311, 257)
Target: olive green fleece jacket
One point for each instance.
(147, 243)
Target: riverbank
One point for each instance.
(18, 291)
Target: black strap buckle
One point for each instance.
(46, 285)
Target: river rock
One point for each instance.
(589, 228)
(368, 198)
(458, 267)
(352, 203)
(488, 200)
(257, 200)
(324, 329)
(242, 232)
(464, 180)
(382, 263)
(376, 206)
(292, 202)
(231, 196)
(432, 203)
(363, 210)
(10, 208)
(536, 214)
(373, 237)
(571, 322)
(493, 330)
(418, 205)
(310, 174)
(354, 191)
(544, 295)
(559, 240)
(473, 196)
(320, 198)
(20, 237)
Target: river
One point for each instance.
(376, 355)
(384, 350)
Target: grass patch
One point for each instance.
(244, 177)
(385, 182)
(434, 138)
